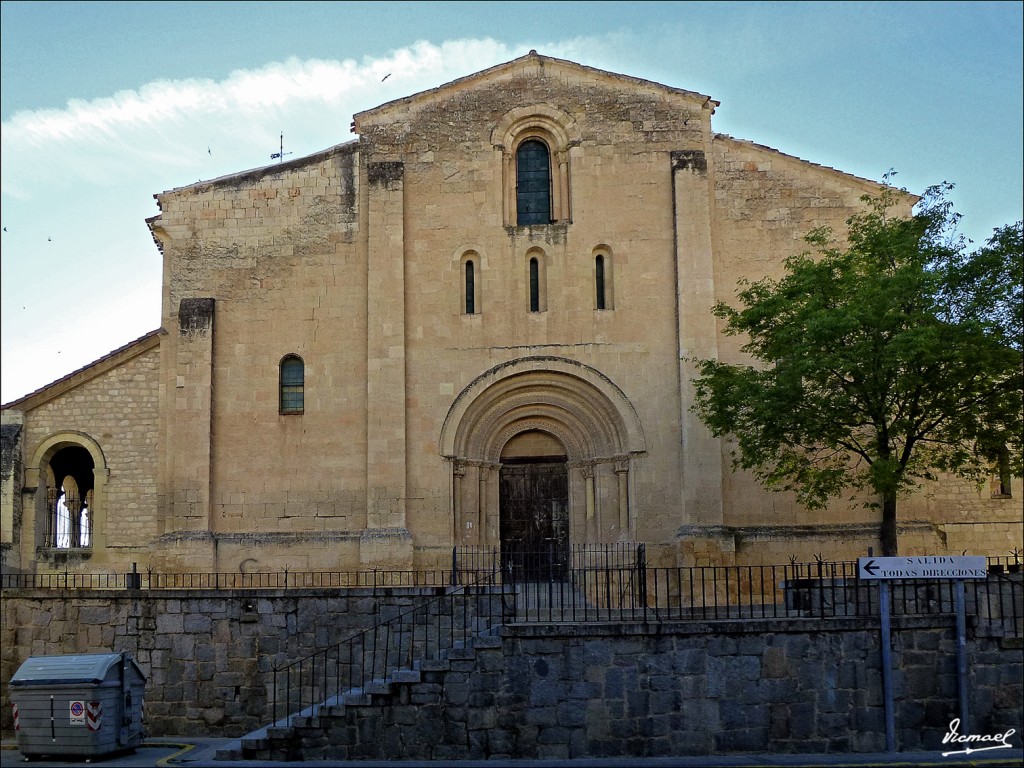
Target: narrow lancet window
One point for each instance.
(534, 285)
(470, 289)
(599, 281)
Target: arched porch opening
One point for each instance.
(523, 431)
(68, 473)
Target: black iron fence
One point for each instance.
(286, 579)
(516, 563)
(592, 582)
(368, 661)
(643, 594)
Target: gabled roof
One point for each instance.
(870, 184)
(533, 59)
(86, 373)
(255, 174)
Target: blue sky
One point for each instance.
(104, 105)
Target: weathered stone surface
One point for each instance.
(353, 261)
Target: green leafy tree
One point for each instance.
(879, 360)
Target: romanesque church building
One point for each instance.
(472, 325)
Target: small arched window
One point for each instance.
(534, 285)
(292, 384)
(533, 183)
(599, 281)
(470, 288)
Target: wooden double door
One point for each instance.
(534, 510)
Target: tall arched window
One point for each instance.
(534, 285)
(533, 183)
(599, 281)
(470, 288)
(292, 384)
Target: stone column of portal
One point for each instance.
(701, 452)
(386, 541)
(622, 473)
(587, 470)
(188, 527)
(481, 508)
(458, 526)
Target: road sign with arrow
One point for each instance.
(926, 567)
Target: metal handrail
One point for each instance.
(373, 656)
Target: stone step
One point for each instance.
(356, 698)
(487, 641)
(406, 676)
(458, 654)
(378, 688)
(432, 665)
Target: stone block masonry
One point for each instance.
(575, 691)
(536, 691)
(208, 654)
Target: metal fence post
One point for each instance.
(641, 566)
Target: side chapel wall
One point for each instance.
(115, 416)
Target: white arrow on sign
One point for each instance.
(922, 567)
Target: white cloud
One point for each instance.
(85, 176)
(172, 123)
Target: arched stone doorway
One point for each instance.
(523, 430)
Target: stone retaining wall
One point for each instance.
(543, 691)
(776, 685)
(208, 654)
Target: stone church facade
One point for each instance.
(471, 325)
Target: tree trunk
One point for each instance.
(890, 547)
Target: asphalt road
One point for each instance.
(168, 752)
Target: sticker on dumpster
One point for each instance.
(77, 712)
(94, 715)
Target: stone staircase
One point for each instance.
(439, 709)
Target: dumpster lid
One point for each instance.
(77, 668)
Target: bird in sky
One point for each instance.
(209, 151)
(385, 77)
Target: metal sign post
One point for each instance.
(956, 569)
(887, 698)
(961, 650)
